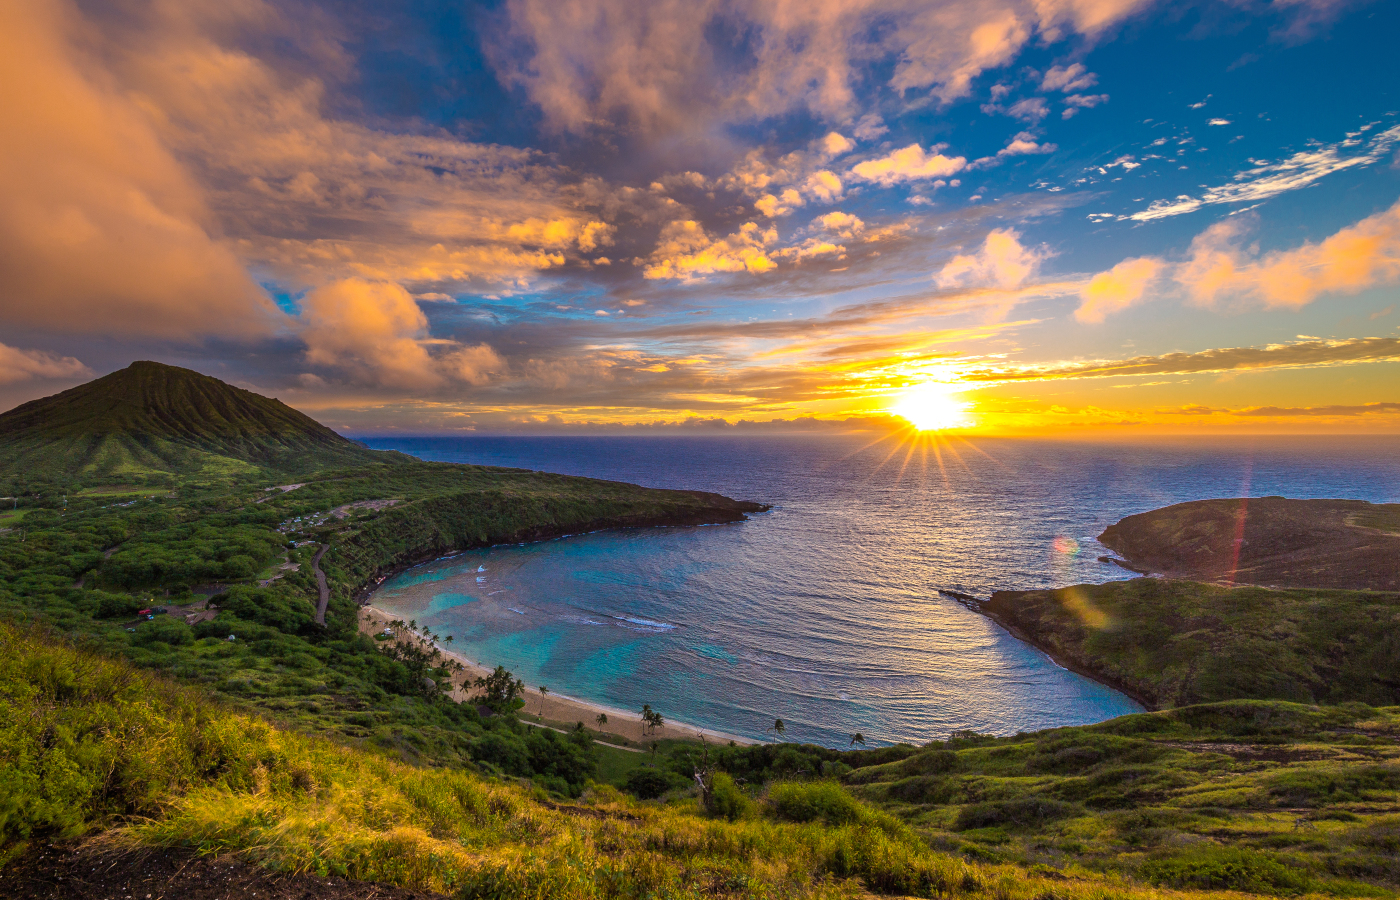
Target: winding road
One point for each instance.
(321, 585)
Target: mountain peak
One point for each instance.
(153, 417)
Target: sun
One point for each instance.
(932, 406)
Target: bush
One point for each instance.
(1229, 869)
(504, 751)
(164, 630)
(1021, 813)
(114, 606)
(817, 801)
(647, 783)
(726, 801)
(924, 789)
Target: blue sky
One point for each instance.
(1065, 215)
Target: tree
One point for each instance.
(646, 717)
(857, 738)
(602, 720)
(500, 689)
(654, 747)
(777, 728)
(651, 719)
(544, 692)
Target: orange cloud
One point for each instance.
(1358, 257)
(1002, 263)
(103, 231)
(686, 252)
(908, 164)
(1218, 268)
(378, 335)
(23, 365)
(1118, 288)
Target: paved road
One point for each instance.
(321, 585)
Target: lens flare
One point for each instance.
(932, 406)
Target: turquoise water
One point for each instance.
(825, 611)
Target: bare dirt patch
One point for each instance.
(341, 512)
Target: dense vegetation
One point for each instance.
(93, 743)
(1174, 643)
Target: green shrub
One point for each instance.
(164, 630)
(934, 762)
(923, 789)
(1022, 813)
(647, 783)
(726, 800)
(823, 801)
(1226, 868)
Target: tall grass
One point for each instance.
(93, 744)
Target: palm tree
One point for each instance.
(654, 747)
(544, 692)
(857, 738)
(646, 717)
(602, 720)
(777, 728)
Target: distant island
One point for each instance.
(193, 708)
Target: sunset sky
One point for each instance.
(1048, 216)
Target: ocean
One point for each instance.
(826, 612)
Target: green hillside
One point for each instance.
(150, 418)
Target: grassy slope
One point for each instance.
(1179, 642)
(96, 744)
(1298, 796)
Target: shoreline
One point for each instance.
(561, 707)
(1058, 659)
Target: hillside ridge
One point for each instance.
(155, 418)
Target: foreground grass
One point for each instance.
(94, 744)
(1270, 798)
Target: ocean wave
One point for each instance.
(637, 624)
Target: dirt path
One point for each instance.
(321, 585)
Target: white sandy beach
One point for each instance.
(559, 707)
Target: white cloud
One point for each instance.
(870, 127)
(1068, 78)
(1075, 102)
(1025, 144)
(1271, 179)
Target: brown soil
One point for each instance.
(1268, 541)
(66, 872)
